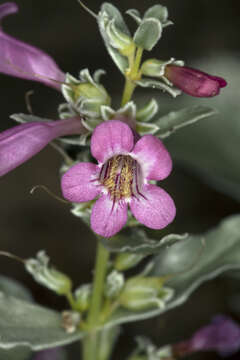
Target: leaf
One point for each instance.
(29, 325)
(216, 143)
(177, 119)
(19, 353)
(108, 12)
(148, 33)
(194, 263)
(158, 12)
(14, 288)
(136, 241)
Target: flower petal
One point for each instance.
(156, 209)
(76, 183)
(8, 8)
(25, 61)
(107, 218)
(153, 157)
(21, 142)
(110, 138)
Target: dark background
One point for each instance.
(29, 223)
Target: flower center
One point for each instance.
(121, 177)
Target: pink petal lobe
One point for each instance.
(153, 157)
(110, 138)
(76, 183)
(106, 219)
(156, 210)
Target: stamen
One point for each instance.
(120, 176)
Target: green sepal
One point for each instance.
(192, 262)
(128, 111)
(175, 120)
(136, 240)
(148, 33)
(146, 128)
(158, 85)
(147, 112)
(156, 68)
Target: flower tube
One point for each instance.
(194, 82)
(21, 142)
(121, 178)
(25, 61)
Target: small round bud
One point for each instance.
(83, 296)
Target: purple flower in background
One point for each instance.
(49, 354)
(21, 142)
(221, 335)
(25, 61)
(194, 82)
(121, 178)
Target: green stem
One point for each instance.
(90, 343)
(128, 91)
(133, 75)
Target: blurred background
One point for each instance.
(205, 33)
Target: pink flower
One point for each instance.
(21, 142)
(194, 82)
(121, 178)
(25, 61)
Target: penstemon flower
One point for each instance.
(25, 61)
(121, 178)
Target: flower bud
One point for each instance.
(83, 296)
(127, 261)
(194, 82)
(142, 293)
(49, 277)
(87, 94)
(114, 284)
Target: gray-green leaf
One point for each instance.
(108, 12)
(135, 240)
(194, 263)
(29, 325)
(177, 119)
(148, 33)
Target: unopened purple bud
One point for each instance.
(194, 82)
(24, 61)
(222, 335)
(21, 142)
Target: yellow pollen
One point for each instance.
(119, 176)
